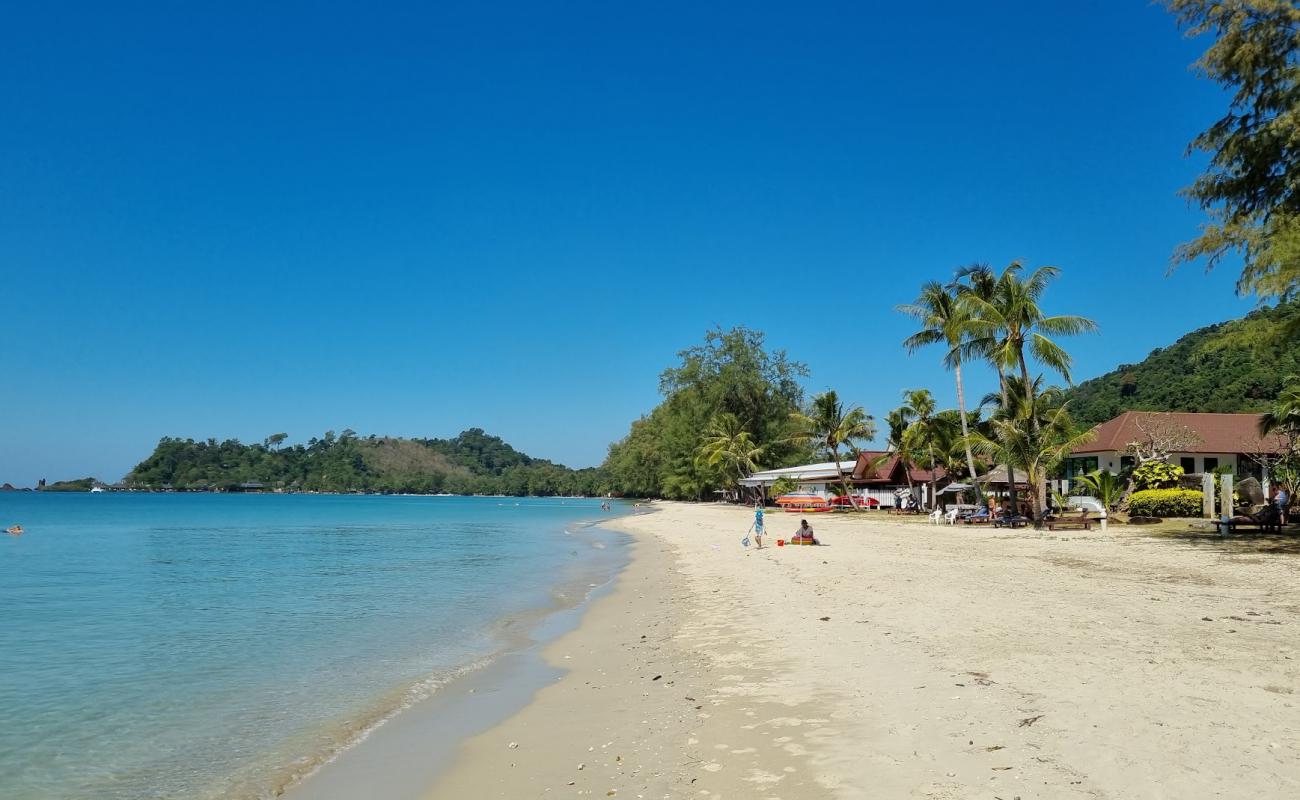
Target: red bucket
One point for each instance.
(780, 542)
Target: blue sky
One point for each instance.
(413, 219)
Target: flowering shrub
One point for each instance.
(1165, 503)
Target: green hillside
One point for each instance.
(1235, 366)
(471, 463)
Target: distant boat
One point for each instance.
(94, 489)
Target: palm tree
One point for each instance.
(1104, 485)
(829, 425)
(1034, 432)
(1285, 413)
(920, 436)
(1001, 327)
(728, 445)
(1005, 320)
(897, 420)
(943, 321)
(975, 285)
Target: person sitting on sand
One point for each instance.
(804, 535)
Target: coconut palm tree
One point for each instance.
(897, 420)
(922, 434)
(1033, 432)
(1006, 319)
(829, 425)
(1004, 325)
(944, 321)
(728, 446)
(1285, 413)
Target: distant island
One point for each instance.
(471, 463)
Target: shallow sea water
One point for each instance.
(218, 646)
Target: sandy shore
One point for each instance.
(909, 661)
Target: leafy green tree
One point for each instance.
(944, 320)
(1251, 187)
(830, 425)
(733, 373)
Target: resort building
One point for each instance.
(876, 475)
(814, 478)
(1206, 442)
(881, 474)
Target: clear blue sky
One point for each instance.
(414, 219)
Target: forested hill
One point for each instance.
(471, 463)
(1234, 366)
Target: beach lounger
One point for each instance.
(1267, 520)
(1011, 522)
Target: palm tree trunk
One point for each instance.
(844, 483)
(934, 498)
(965, 429)
(1011, 471)
(907, 472)
(1024, 377)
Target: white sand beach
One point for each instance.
(902, 660)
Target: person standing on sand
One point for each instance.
(758, 524)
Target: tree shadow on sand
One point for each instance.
(1242, 542)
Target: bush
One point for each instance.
(1165, 503)
(1157, 475)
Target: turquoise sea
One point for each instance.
(219, 646)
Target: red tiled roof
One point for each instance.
(1219, 433)
(890, 471)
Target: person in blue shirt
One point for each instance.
(758, 524)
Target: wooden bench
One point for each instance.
(1080, 521)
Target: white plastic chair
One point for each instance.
(935, 516)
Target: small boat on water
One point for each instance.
(96, 489)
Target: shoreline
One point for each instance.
(438, 712)
(907, 660)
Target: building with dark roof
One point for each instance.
(1209, 442)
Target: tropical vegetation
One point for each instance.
(1236, 367)
(471, 463)
(689, 447)
(1102, 484)
(1250, 189)
(828, 424)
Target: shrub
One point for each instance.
(1157, 475)
(1165, 503)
